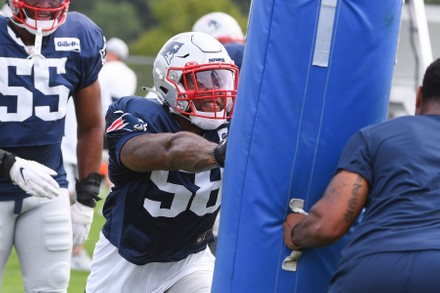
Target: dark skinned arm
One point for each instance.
(332, 216)
(168, 151)
(90, 129)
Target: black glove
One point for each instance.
(6, 161)
(218, 154)
(87, 190)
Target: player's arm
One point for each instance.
(331, 217)
(172, 151)
(33, 177)
(90, 129)
(89, 153)
(90, 143)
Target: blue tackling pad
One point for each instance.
(313, 73)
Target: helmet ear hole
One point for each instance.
(163, 89)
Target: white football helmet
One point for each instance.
(195, 77)
(118, 47)
(221, 26)
(34, 15)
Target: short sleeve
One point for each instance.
(356, 157)
(121, 126)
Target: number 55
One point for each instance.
(25, 97)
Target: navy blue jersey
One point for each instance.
(157, 216)
(400, 159)
(34, 95)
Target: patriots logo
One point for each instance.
(127, 122)
(213, 25)
(170, 50)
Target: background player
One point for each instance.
(165, 161)
(226, 30)
(116, 78)
(46, 56)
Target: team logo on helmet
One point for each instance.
(213, 24)
(170, 50)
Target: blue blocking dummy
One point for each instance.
(313, 73)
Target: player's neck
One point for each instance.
(429, 108)
(188, 126)
(27, 37)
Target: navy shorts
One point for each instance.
(394, 272)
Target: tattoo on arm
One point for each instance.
(349, 214)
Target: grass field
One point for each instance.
(12, 280)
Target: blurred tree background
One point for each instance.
(145, 25)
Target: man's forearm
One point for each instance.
(89, 152)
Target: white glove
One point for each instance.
(34, 178)
(290, 262)
(82, 217)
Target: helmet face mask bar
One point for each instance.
(207, 91)
(30, 15)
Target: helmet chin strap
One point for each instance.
(30, 23)
(207, 123)
(200, 122)
(36, 54)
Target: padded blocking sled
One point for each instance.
(313, 73)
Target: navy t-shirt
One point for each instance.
(400, 159)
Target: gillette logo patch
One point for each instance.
(67, 44)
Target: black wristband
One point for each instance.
(87, 190)
(218, 154)
(216, 158)
(6, 160)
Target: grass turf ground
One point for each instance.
(12, 279)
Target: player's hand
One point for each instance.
(219, 153)
(291, 221)
(33, 177)
(82, 217)
(87, 190)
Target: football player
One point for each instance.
(46, 56)
(166, 159)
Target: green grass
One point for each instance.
(12, 279)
